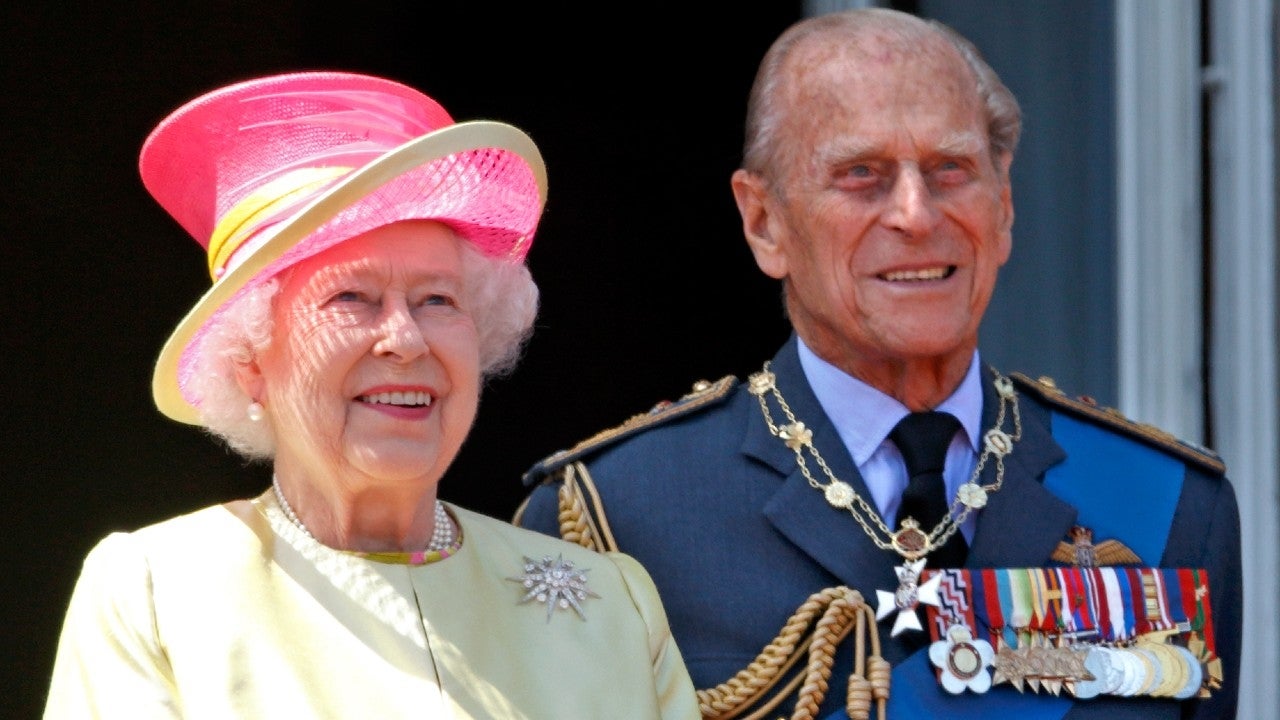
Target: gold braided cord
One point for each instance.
(733, 697)
(839, 611)
(577, 523)
(814, 631)
(581, 512)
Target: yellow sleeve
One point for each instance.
(110, 663)
(676, 694)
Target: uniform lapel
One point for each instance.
(831, 536)
(1022, 522)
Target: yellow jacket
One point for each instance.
(230, 611)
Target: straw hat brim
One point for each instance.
(455, 138)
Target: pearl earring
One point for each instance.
(255, 411)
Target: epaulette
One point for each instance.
(1086, 407)
(703, 394)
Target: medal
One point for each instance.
(963, 661)
(909, 595)
(1085, 632)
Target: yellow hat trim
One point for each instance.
(244, 218)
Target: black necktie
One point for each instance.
(923, 438)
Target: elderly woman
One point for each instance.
(368, 276)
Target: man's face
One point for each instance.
(890, 216)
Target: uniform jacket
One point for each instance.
(736, 538)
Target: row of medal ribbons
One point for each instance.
(1087, 631)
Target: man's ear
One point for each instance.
(761, 225)
(1006, 207)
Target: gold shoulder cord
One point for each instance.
(582, 518)
(581, 514)
(815, 630)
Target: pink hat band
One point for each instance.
(269, 171)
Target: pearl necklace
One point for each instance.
(910, 541)
(443, 535)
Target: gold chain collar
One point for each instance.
(910, 541)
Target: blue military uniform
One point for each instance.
(736, 539)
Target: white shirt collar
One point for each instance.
(864, 416)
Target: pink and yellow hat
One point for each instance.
(269, 171)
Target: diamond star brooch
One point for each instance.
(554, 583)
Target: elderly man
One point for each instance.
(877, 519)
